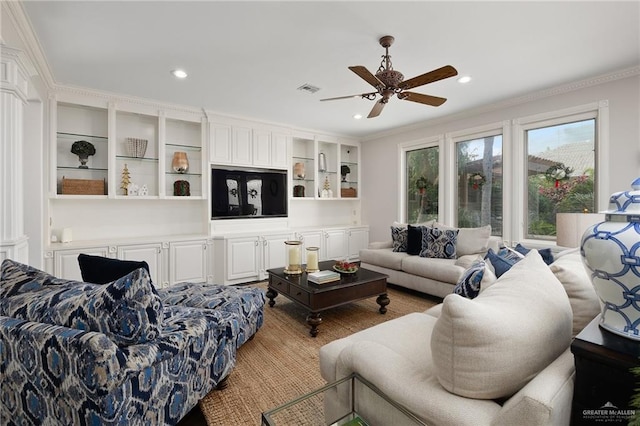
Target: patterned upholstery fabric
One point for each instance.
(399, 235)
(247, 303)
(127, 310)
(52, 374)
(469, 283)
(439, 243)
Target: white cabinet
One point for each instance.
(357, 238)
(220, 140)
(242, 255)
(188, 261)
(312, 239)
(273, 253)
(242, 145)
(150, 253)
(335, 244)
(262, 148)
(66, 261)
(279, 150)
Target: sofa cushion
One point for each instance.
(414, 239)
(439, 243)
(385, 258)
(570, 271)
(17, 278)
(470, 240)
(491, 346)
(103, 270)
(399, 238)
(444, 270)
(128, 310)
(546, 254)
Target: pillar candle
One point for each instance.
(294, 256)
(312, 259)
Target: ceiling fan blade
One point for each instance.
(362, 95)
(364, 74)
(435, 75)
(423, 99)
(377, 109)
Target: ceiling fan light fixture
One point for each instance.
(464, 79)
(178, 73)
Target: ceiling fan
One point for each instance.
(389, 82)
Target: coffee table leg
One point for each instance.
(272, 294)
(314, 320)
(383, 301)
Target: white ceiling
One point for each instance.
(248, 58)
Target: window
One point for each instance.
(422, 184)
(479, 182)
(560, 174)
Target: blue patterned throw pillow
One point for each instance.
(546, 254)
(439, 243)
(503, 260)
(399, 238)
(469, 283)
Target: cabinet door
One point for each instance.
(242, 145)
(220, 143)
(312, 239)
(150, 253)
(262, 148)
(66, 262)
(279, 145)
(242, 258)
(273, 252)
(335, 244)
(187, 261)
(357, 239)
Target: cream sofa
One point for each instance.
(437, 277)
(502, 358)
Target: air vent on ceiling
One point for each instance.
(309, 88)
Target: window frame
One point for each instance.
(598, 111)
(403, 149)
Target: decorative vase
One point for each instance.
(610, 251)
(298, 171)
(180, 163)
(322, 162)
(181, 188)
(83, 161)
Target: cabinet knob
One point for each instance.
(255, 243)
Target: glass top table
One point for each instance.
(361, 404)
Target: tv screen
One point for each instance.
(248, 193)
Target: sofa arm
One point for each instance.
(546, 399)
(74, 358)
(380, 244)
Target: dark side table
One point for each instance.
(604, 383)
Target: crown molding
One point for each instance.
(40, 67)
(506, 103)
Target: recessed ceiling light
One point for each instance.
(357, 116)
(179, 73)
(464, 79)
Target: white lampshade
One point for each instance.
(571, 226)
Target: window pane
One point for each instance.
(480, 183)
(422, 184)
(561, 170)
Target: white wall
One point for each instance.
(381, 174)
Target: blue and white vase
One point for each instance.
(610, 251)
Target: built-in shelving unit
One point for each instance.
(303, 168)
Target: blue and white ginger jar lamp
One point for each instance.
(610, 251)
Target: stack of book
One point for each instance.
(323, 277)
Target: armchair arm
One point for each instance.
(85, 360)
(546, 399)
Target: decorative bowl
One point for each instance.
(136, 147)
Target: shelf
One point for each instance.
(183, 174)
(65, 135)
(126, 157)
(303, 158)
(192, 147)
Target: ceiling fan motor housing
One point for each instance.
(390, 78)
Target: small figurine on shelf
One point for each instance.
(126, 180)
(326, 189)
(132, 189)
(143, 191)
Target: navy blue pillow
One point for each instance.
(103, 270)
(469, 283)
(414, 239)
(501, 264)
(546, 254)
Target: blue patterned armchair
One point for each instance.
(80, 353)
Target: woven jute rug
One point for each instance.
(281, 362)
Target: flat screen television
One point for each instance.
(248, 193)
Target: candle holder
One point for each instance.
(293, 254)
(312, 259)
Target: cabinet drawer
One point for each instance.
(300, 295)
(280, 286)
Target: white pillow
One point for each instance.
(570, 271)
(470, 240)
(491, 346)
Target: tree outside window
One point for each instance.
(422, 184)
(561, 169)
(479, 202)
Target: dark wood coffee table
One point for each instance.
(319, 297)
